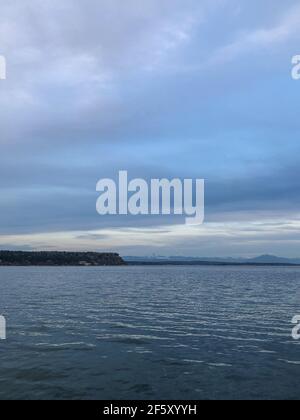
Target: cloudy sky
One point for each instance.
(161, 88)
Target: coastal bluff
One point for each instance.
(60, 259)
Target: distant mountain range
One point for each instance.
(263, 259)
(271, 259)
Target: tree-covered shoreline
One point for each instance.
(21, 258)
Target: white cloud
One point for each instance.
(244, 238)
(260, 38)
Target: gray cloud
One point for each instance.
(162, 88)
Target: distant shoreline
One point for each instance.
(109, 259)
(149, 264)
(208, 263)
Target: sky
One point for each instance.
(160, 88)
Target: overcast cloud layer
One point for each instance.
(162, 88)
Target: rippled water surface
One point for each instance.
(149, 333)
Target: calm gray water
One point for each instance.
(149, 333)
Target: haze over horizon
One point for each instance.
(162, 88)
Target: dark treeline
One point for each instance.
(20, 258)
